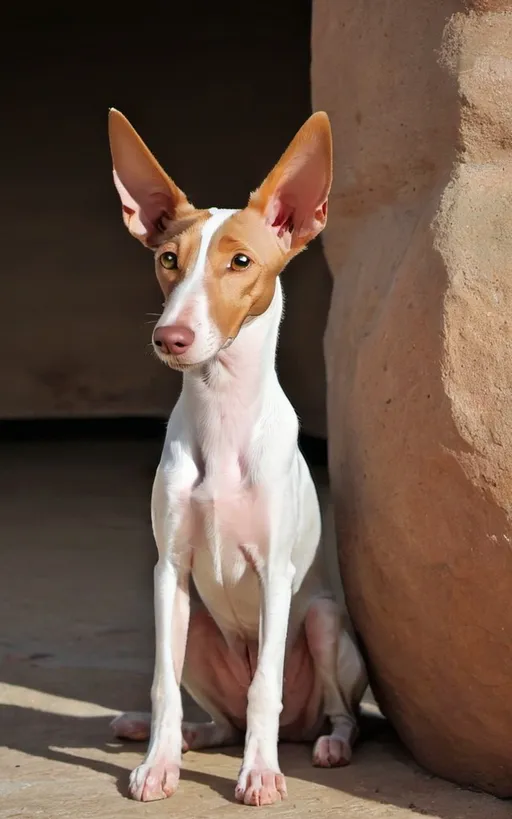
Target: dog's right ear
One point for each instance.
(150, 199)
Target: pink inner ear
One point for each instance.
(147, 217)
(283, 218)
(298, 207)
(156, 212)
(299, 218)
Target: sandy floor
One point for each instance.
(76, 647)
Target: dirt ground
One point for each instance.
(76, 648)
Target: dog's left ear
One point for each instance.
(293, 197)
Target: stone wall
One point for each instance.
(419, 363)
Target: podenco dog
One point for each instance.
(234, 505)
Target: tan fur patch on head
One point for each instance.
(283, 215)
(233, 295)
(182, 238)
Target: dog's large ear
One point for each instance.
(293, 197)
(150, 199)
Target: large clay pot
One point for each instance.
(419, 364)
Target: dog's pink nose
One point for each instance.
(173, 340)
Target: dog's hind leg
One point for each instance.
(342, 672)
(134, 725)
(215, 678)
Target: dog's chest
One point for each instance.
(230, 523)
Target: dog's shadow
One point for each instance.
(381, 769)
(56, 736)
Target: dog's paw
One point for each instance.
(331, 752)
(199, 735)
(260, 787)
(151, 782)
(134, 725)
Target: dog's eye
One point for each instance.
(240, 262)
(169, 260)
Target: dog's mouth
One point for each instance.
(181, 364)
(176, 363)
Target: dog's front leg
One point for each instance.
(260, 781)
(158, 775)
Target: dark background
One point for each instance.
(217, 91)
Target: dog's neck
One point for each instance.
(225, 400)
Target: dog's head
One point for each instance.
(217, 268)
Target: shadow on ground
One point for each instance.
(77, 646)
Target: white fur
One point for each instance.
(188, 303)
(234, 505)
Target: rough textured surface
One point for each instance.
(419, 360)
(77, 295)
(77, 645)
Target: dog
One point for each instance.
(267, 652)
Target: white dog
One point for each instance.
(234, 505)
